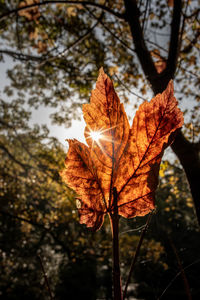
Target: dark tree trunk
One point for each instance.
(188, 153)
(189, 156)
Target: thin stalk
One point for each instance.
(114, 219)
(136, 254)
(185, 281)
(45, 278)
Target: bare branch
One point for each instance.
(157, 46)
(195, 13)
(132, 17)
(45, 278)
(38, 225)
(5, 150)
(188, 48)
(97, 5)
(126, 87)
(179, 273)
(185, 280)
(20, 56)
(112, 33)
(74, 44)
(189, 72)
(134, 260)
(145, 13)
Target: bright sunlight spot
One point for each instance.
(95, 135)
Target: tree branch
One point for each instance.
(137, 254)
(39, 225)
(174, 45)
(132, 15)
(113, 34)
(45, 278)
(74, 44)
(97, 5)
(195, 13)
(126, 87)
(185, 281)
(20, 56)
(188, 48)
(186, 152)
(178, 274)
(24, 166)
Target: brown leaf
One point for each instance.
(41, 47)
(170, 3)
(106, 114)
(152, 127)
(31, 13)
(119, 156)
(160, 65)
(80, 174)
(160, 62)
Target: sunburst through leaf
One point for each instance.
(118, 157)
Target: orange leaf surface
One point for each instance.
(119, 156)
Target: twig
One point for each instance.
(179, 273)
(20, 56)
(126, 87)
(145, 13)
(74, 44)
(133, 230)
(41, 226)
(137, 253)
(181, 33)
(112, 33)
(45, 278)
(185, 281)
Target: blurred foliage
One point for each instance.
(39, 217)
(57, 51)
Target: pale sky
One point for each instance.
(41, 115)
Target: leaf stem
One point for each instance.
(114, 219)
(136, 254)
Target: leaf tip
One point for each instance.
(101, 71)
(170, 87)
(102, 75)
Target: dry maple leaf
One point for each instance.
(118, 157)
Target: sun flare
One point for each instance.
(100, 135)
(95, 136)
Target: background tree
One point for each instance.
(62, 44)
(57, 48)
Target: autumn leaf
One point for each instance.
(170, 3)
(160, 65)
(29, 13)
(117, 156)
(41, 47)
(160, 62)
